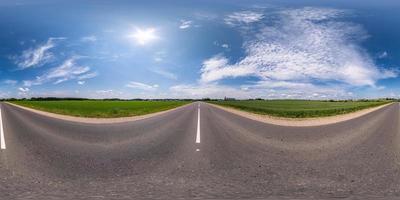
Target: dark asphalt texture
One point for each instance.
(238, 158)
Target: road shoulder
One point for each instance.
(300, 122)
(96, 120)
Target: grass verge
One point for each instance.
(99, 108)
(299, 108)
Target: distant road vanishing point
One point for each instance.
(198, 151)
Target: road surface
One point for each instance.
(198, 151)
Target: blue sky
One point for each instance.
(194, 49)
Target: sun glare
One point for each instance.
(144, 36)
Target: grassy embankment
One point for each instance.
(299, 108)
(101, 109)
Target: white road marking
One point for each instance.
(198, 125)
(2, 140)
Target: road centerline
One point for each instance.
(2, 142)
(198, 125)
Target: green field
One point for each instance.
(101, 109)
(299, 108)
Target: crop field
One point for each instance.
(101, 109)
(299, 108)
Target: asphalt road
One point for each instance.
(172, 155)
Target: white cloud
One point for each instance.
(87, 75)
(297, 90)
(36, 56)
(205, 15)
(101, 94)
(302, 47)
(165, 74)
(104, 91)
(81, 82)
(90, 38)
(225, 46)
(69, 70)
(158, 59)
(159, 56)
(23, 89)
(265, 89)
(141, 86)
(5, 94)
(206, 90)
(185, 24)
(243, 17)
(383, 55)
(217, 68)
(23, 92)
(10, 82)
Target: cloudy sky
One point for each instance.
(194, 49)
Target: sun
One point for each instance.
(144, 36)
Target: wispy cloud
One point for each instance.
(104, 91)
(383, 55)
(21, 89)
(24, 92)
(223, 45)
(303, 47)
(185, 24)
(243, 17)
(141, 86)
(165, 74)
(107, 93)
(159, 56)
(88, 75)
(37, 56)
(5, 94)
(90, 38)
(262, 89)
(10, 82)
(217, 68)
(69, 70)
(206, 90)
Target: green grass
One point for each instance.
(101, 109)
(299, 108)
